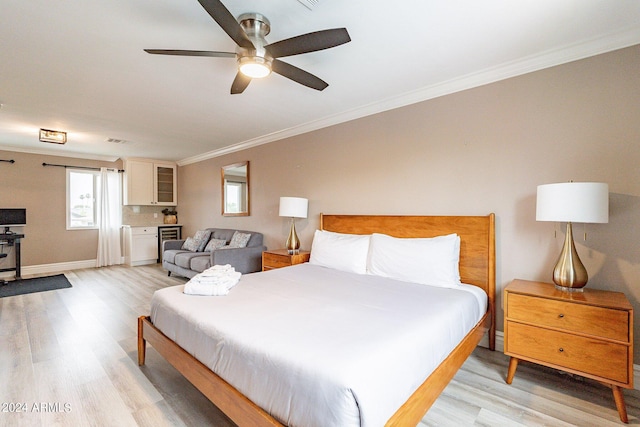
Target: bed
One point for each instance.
(476, 267)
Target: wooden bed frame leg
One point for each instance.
(492, 335)
(142, 343)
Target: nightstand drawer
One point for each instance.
(585, 319)
(282, 258)
(271, 260)
(590, 356)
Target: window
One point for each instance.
(81, 199)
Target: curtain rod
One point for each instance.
(8, 161)
(77, 167)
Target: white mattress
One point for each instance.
(320, 347)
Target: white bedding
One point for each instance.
(320, 347)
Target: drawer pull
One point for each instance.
(561, 350)
(561, 315)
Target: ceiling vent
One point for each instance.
(117, 141)
(309, 4)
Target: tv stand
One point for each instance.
(13, 239)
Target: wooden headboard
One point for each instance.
(477, 242)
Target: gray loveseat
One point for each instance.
(189, 263)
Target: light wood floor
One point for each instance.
(68, 358)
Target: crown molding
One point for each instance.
(73, 155)
(565, 54)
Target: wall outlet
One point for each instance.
(155, 215)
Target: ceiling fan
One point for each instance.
(257, 58)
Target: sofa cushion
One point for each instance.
(200, 263)
(183, 259)
(255, 240)
(170, 255)
(223, 233)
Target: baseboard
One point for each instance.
(28, 270)
(144, 262)
(56, 268)
(52, 268)
(500, 348)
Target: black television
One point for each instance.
(12, 217)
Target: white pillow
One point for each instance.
(428, 261)
(345, 252)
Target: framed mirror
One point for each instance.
(235, 189)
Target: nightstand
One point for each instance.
(281, 258)
(588, 333)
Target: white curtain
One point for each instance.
(109, 218)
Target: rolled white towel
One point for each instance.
(235, 276)
(217, 270)
(214, 281)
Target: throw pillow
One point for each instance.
(214, 244)
(190, 244)
(198, 242)
(239, 240)
(202, 236)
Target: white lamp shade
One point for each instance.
(293, 207)
(573, 202)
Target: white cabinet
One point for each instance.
(138, 183)
(165, 184)
(141, 245)
(149, 182)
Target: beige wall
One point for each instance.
(42, 191)
(474, 152)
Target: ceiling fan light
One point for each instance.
(255, 71)
(255, 67)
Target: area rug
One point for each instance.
(37, 284)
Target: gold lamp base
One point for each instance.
(569, 274)
(293, 243)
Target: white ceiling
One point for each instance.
(79, 66)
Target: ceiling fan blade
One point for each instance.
(191, 53)
(309, 42)
(227, 22)
(240, 83)
(298, 75)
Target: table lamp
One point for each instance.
(293, 207)
(586, 202)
